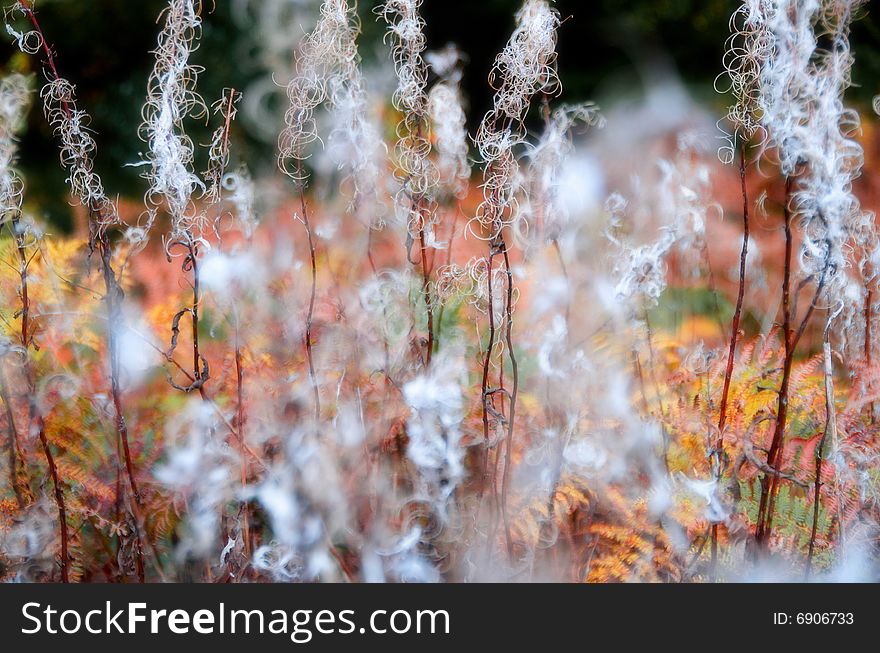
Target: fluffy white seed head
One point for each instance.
(747, 50)
(448, 120)
(526, 66)
(14, 100)
(71, 126)
(171, 98)
(546, 166)
(415, 170)
(327, 56)
(226, 109)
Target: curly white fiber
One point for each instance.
(171, 98)
(526, 66)
(546, 161)
(787, 89)
(241, 193)
(14, 99)
(748, 48)
(436, 408)
(356, 144)
(829, 210)
(218, 152)
(416, 171)
(327, 56)
(448, 120)
(77, 148)
(801, 100)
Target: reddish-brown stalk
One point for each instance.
(869, 298)
(426, 289)
(737, 315)
(239, 426)
(782, 402)
(418, 206)
(35, 415)
(508, 449)
(113, 297)
(485, 396)
(770, 482)
(311, 312)
(830, 429)
(200, 371)
(113, 294)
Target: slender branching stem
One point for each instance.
(487, 358)
(311, 311)
(508, 318)
(869, 300)
(113, 294)
(830, 429)
(239, 426)
(731, 353)
(35, 415)
(426, 290)
(782, 400)
(791, 336)
(113, 298)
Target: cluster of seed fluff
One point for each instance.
(683, 203)
(415, 170)
(471, 283)
(527, 64)
(641, 273)
(436, 406)
(240, 191)
(327, 55)
(77, 147)
(171, 98)
(14, 99)
(525, 67)
(218, 152)
(448, 120)
(200, 469)
(829, 210)
(787, 89)
(747, 50)
(546, 166)
(303, 496)
(71, 127)
(356, 144)
(639, 270)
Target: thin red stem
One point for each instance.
(734, 335)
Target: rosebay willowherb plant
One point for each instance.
(541, 351)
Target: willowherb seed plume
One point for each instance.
(326, 57)
(14, 100)
(171, 98)
(415, 170)
(526, 66)
(226, 108)
(448, 120)
(748, 48)
(71, 126)
(546, 165)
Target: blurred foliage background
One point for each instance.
(608, 48)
